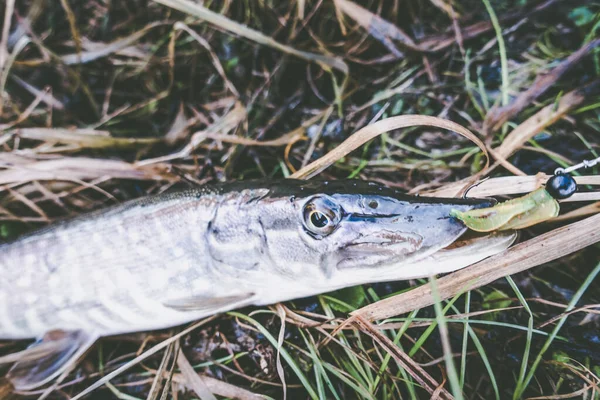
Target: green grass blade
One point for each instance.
(465, 343)
(588, 281)
(284, 353)
(527, 349)
(441, 321)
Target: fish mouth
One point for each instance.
(386, 238)
(378, 248)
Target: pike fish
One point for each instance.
(173, 258)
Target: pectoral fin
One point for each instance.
(209, 304)
(49, 357)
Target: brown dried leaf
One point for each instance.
(539, 250)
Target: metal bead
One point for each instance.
(561, 186)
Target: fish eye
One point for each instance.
(318, 219)
(321, 215)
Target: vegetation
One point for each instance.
(104, 101)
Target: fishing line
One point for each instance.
(583, 164)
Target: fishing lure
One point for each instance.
(533, 208)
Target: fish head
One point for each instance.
(358, 228)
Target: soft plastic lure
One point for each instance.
(522, 212)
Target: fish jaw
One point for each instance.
(398, 231)
(460, 254)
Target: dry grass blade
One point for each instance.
(544, 118)
(222, 388)
(8, 13)
(83, 138)
(164, 372)
(539, 250)
(8, 62)
(584, 211)
(507, 185)
(440, 42)
(280, 338)
(225, 23)
(370, 132)
(72, 24)
(244, 90)
(44, 95)
(215, 60)
(192, 379)
(180, 127)
(80, 168)
(378, 27)
(148, 353)
(580, 394)
(220, 128)
(283, 140)
(24, 115)
(403, 359)
(497, 117)
(445, 7)
(106, 49)
(36, 352)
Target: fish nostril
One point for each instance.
(373, 204)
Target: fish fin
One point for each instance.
(211, 305)
(48, 357)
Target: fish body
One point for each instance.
(173, 258)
